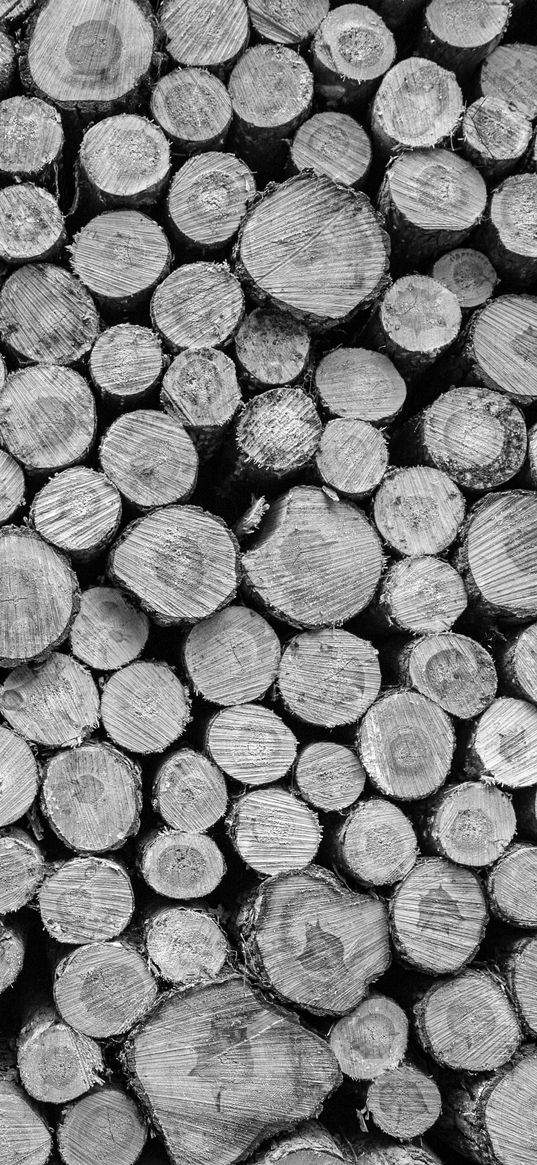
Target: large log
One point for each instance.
(328, 678)
(47, 418)
(438, 916)
(371, 1039)
(108, 631)
(55, 1063)
(150, 459)
(467, 1023)
(233, 657)
(453, 670)
(497, 555)
(512, 886)
(46, 315)
(185, 945)
(106, 1121)
(406, 744)
(271, 90)
(124, 161)
(470, 823)
(91, 797)
(86, 899)
(420, 596)
(329, 776)
(273, 831)
(39, 597)
(144, 707)
(488, 1117)
(103, 989)
(193, 108)
(126, 365)
(351, 51)
(510, 73)
(189, 792)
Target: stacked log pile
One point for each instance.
(268, 582)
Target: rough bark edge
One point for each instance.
(75, 596)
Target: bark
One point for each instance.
(469, 274)
(275, 437)
(185, 945)
(501, 347)
(232, 658)
(379, 1150)
(488, 1118)
(418, 105)
(55, 1063)
(375, 844)
(467, 1024)
(144, 707)
(288, 22)
(517, 960)
(91, 797)
(126, 365)
(79, 512)
(22, 868)
(438, 916)
(46, 315)
(205, 34)
(419, 596)
(103, 989)
(418, 511)
(333, 144)
(510, 231)
(352, 458)
(150, 459)
(200, 305)
(194, 110)
(31, 141)
(207, 202)
(124, 161)
(31, 225)
(200, 389)
(329, 776)
(511, 74)
(503, 744)
(418, 321)
(328, 678)
(460, 37)
(453, 670)
(271, 90)
(180, 865)
(273, 831)
(48, 418)
(499, 572)
(39, 597)
(104, 1122)
(108, 631)
(470, 823)
(272, 349)
(495, 136)
(86, 899)
(24, 1129)
(13, 943)
(121, 256)
(406, 745)
(189, 792)
(251, 744)
(517, 663)
(351, 51)
(19, 777)
(371, 1039)
(404, 1102)
(357, 384)
(12, 488)
(512, 886)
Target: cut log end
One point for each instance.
(79, 512)
(510, 73)
(418, 511)
(271, 90)
(126, 365)
(106, 1121)
(103, 989)
(438, 916)
(273, 832)
(420, 320)
(91, 797)
(329, 776)
(495, 136)
(418, 105)
(508, 366)
(144, 707)
(512, 886)
(503, 744)
(86, 899)
(351, 52)
(31, 139)
(467, 1024)
(180, 865)
(205, 34)
(333, 144)
(19, 777)
(32, 225)
(511, 231)
(22, 868)
(404, 1102)
(357, 384)
(288, 22)
(108, 631)
(47, 418)
(120, 256)
(420, 596)
(375, 845)
(23, 1128)
(233, 657)
(125, 161)
(39, 597)
(372, 1039)
(150, 459)
(193, 108)
(185, 946)
(475, 435)
(352, 457)
(275, 437)
(471, 824)
(55, 1063)
(328, 678)
(453, 670)
(189, 792)
(461, 37)
(200, 305)
(200, 389)
(54, 704)
(500, 571)
(469, 274)
(207, 201)
(251, 744)
(47, 315)
(272, 349)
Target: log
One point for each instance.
(46, 315)
(512, 886)
(39, 597)
(126, 365)
(205, 34)
(467, 1024)
(55, 1063)
(232, 658)
(273, 831)
(419, 320)
(351, 51)
(499, 571)
(375, 844)
(309, 1142)
(508, 367)
(371, 1039)
(487, 1117)
(313, 942)
(179, 563)
(22, 868)
(329, 776)
(418, 511)
(12, 488)
(24, 1131)
(275, 437)
(47, 418)
(102, 56)
(380, 1150)
(315, 561)
(180, 865)
(460, 36)
(333, 144)
(419, 596)
(144, 707)
(357, 384)
(272, 349)
(207, 201)
(79, 512)
(194, 110)
(328, 678)
(516, 958)
(185, 946)
(312, 273)
(124, 161)
(495, 136)
(31, 225)
(503, 744)
(85, 900)
(19, 777)
(54, 704)
(121, 256)
(288, 22)
(91, 797)
(189, 792)
(251, 744)
(150, 459)
(31, 141)
(517, 663)
(104, 1122)
(510, 231)
(271, 90)
(453, 670)
(103, 989)
(510, 73)
(352, 458)
(240, 1071)
(404, 1102)
(418, 105)
(438, 916)
(470, 823)
(200, 305)
(13, 942)
(201, 391)
(468, 274)
(108, 631)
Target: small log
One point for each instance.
(512, 886)
(124, 161)
(22, 868)
(200, 389)
(357, 384)
(453, 670)
(207, 201)
(39, 597)
(272, 349)
(509, 366)
(105, 1122)
(511, 74)
(438, 916)
(487, 1117)
(470, 823)
(12, 487)
(288, 22)
(55, 1063)
(417, 106)
(419, 320)
(144, 707)
(495, 136)
(467, 1024)
(497, 555)
(25, 1133)
(503, 744)
(406, 745)
(31, 225)
(200, 305)
(31, 141)
(419, 596)
(516, 958)
(79, 512)
(189, 792)
(328, 678)
(194, 110)
(459, 36)
(54, 704)
(232, 658)
(351, 51)
(273, 831)
(311, 273)
(91, 797)
(126, 365)
(334, 144)
(120, 256)
(517, 663)
(13, 940)
(251, 744)
(418, 511)
(468, 274)
(19, 777)
(179, 562)
(314, 942)
(315, 561)
(329, 776)
(371, 1039)
(404, 1102)
(375, 844)
(275, 437)
(47, 418)
(108, 631)
(511, 229)
(271, 90)
(46, 315)
(150, 459)
(180, 865)
(85, 900)
(309, 1142)
(352, 457)
(103, 989)
(185, 946)
(203, 33)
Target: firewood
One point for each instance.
(46, 315)
(495, 136)
(251, 744)
(47, 418)
(310, 1141)
(351, 51)
(510, 231)
(375, 844)
(314, 942)
(19, 777)
(371, 1039)
(126, 365)
(31, 225)
(329, 776)
(79, 512)
(357, 384)
(419, 320)
(467, 1024)
(144, 707)
(453, 670)
(404, 1102)
(418, 105)
(200, 389)
(120, 256)
(273, 831)
(470, 823)
(512, 886)
(108, 631)
(497, 556)
(272, 349)
(54, 704)
(419, 596)
(517, 663)
(185, 946)
(179, 562)
(329, 677)
(31, 140)
(511, 74)
(86, 899)
(124, 161)
(289, 22)
(150, 459)
(189, 792)
(438, 916)
(334, 144)
(379, 1149)
(55, 1063)
(22, 868)
(459, 35)
(204, 33)
(468, 274)
(207, 201)
(232, 658)
(12, 486)
(39, 597)
(194, 110)
(200, 305)
(241, 1075)
(503, 744)
(418, 511)
(275, 436)
(516, 958)
(487, 1117)
(13, 942)
(271, 90)
(91, 797)
(105, 1122)
(352, 458)
(508, 366)
(25, 1133)
(103, 989)
(315, 561)
(180, 865)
